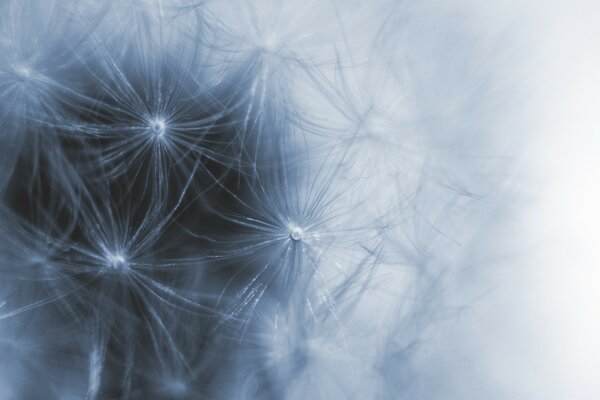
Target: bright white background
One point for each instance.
(539, 329)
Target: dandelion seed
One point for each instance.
(158, 127)
(23, 71)
(117, 262)
(296, 233)
(270, 43)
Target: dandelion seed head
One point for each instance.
(296, 233)
(240, 170)
(117, 262)
(23, 71)
(270, 42)
(158, 127)
(39, 262)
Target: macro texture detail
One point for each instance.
(243, 199)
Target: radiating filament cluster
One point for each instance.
(212, 156)
(158, 127)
